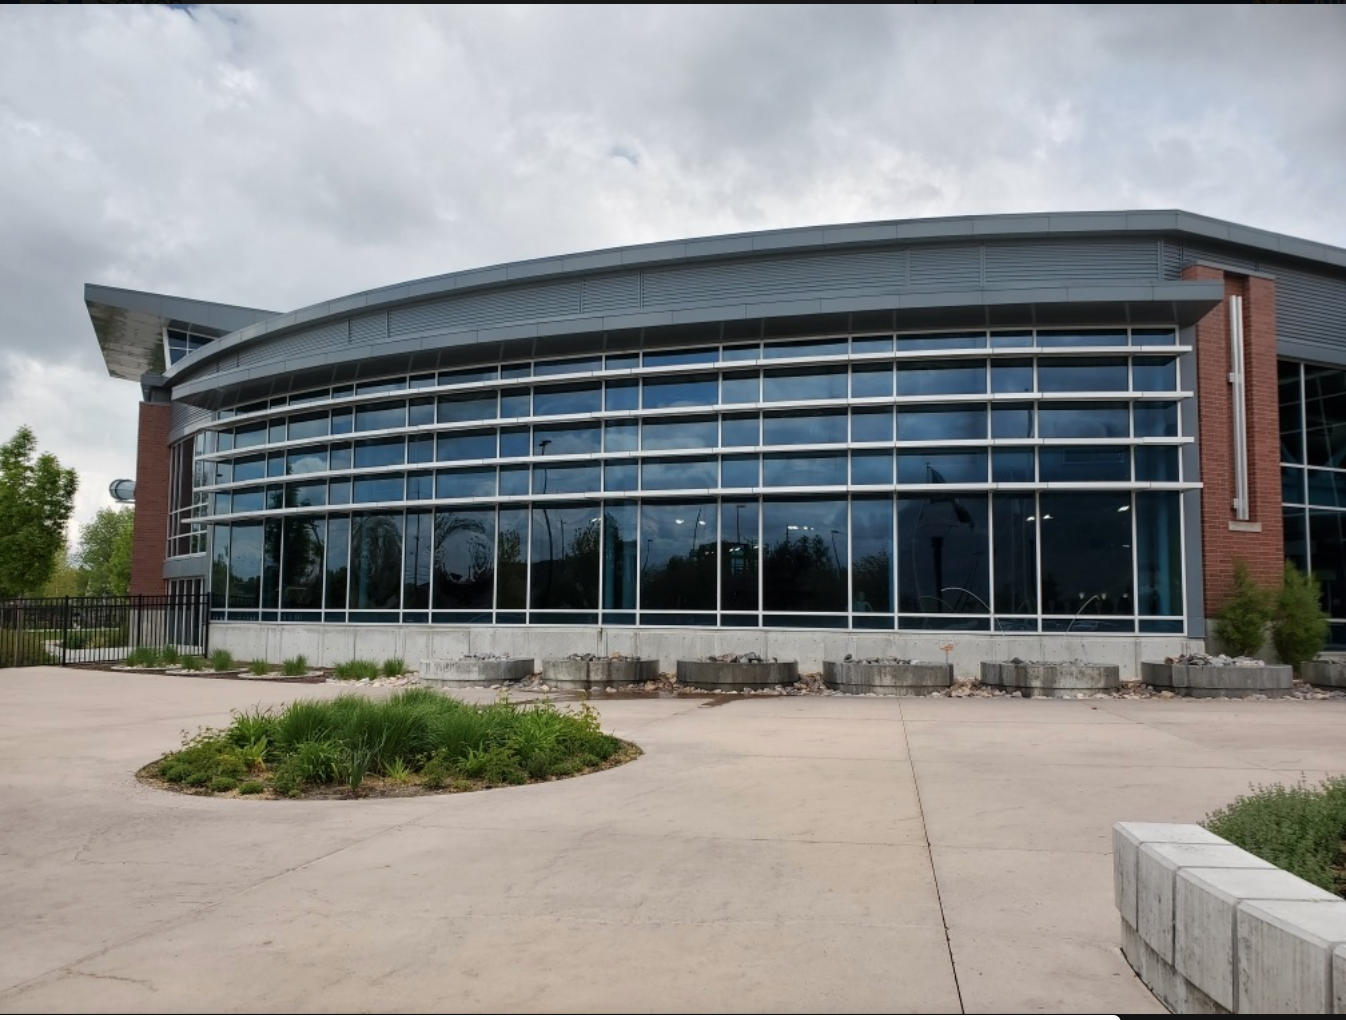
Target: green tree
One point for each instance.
(105, 552)
(1241, 625)
(37, 497)
(1300, 629)
(66, 579)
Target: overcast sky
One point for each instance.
(278, 156)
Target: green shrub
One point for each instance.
(393, 667)
(317, 761)
(1298, 828)
(76, 640)
(356, 669)
(192, 662)
(169, 656)
(298, 666)
(1300, 629)
(302, 722)
(250, 727)
(144, 658)
(495, 766)
(398, 771)
(1241, 625)
(259, 667)
(250, 787)
(222, 784)
(221, 659)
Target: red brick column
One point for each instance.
(150, 541)
(1258, 541)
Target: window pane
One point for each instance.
(467, 375)
(804, 384)
(1011, 465)
(568, 366)
(677, 542)
(678, 356)
(366, 389)
(1153, 337)
(514, 481)
(308, 426)
(553, 478)
(1012, 376)
(1324, 411)
(463, 483)
(342, 422)
(1016, 558)
(1292, 486)
(738, 569)
(952, 421)
(921, 378)
(516, 442)
(621, 436)
(305, 460)
(679, 433)
(249, 435)
(512, 587)
(515, 403)
(803, 569)
(621, 476)
(740, 472)
(338, 552)
(872, 552)
(621, 544)
(623, 396)
(245, 566)
(1012, 421)
(376, 561)
(933, 467)
(1084, 464)
(872, 381)
(872, 425)
(562, 440)
(565, 557)
(741, 430)
(381, 416)
(421, 411)
(378, 489)
(1082, 338)
(803, 428)
(806, 349)
(794, 470)
(248, 501)
(586, 398)
(249, 469)
(464, 565)
(871, 344)
(1082, 375)
(944, 563)
(474, 406)
(1086, 554)
(674, 391)
(306, 494)
(875, 468)
(416, 565)
(1292, 427)
(1154, 374)
(622, 361)
(1327, 488)
(420, 485)
(741, 388)
(341, 456)
(1159, 553)
(678, 474)
(420, 449)
(380, 452)
(1084, 421)
(477, 444)
(1156, 419)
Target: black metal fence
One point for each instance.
(59, 632)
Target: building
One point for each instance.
(1038, 435)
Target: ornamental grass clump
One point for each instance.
(415, 740)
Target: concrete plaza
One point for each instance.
(793, 854)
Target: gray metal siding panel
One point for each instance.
(611, 293)
(184, 416)
(1170, 257)
(958, 266)
(493, 308)
(369, 327)
(1311, 310)
(332, 336)
(771, 277)
(1034, 263)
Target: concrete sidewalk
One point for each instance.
(793, 854)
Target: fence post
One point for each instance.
(65, 627)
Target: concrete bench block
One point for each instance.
(736, 676)
(566, 674)
(1127, 839)
(915, 679)
(1324, 672)
(1285, 955)
(1046, 679)
(1156, 674)
(1211, 681)
(474, 672)
(1156, 873)
(1205, 908)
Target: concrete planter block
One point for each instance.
(1205, 907)
(1156, 876)
(1127, 839)
(1339, 980)
(474, 672)
(1158, 976)
(597, 674)
(1210, 681)
(1046, 679)
(1324, 672)
(915, 679)
(1285, 955)
(736, 676)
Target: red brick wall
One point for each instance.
(1264, 550)
(150, 542)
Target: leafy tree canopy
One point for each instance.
(105, 552)
(37, 497)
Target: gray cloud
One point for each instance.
(275, 156)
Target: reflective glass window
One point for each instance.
(462, 483)
(1292, 423)
(677, 546)
(741, 388)
(475, 406)
(681, 356)
(751, 352)
(568, 366)
(275, 432)
(420, 485)
(621, 476)
(1324, 411)
(515, 403)
(803, 428)
(1012, 421)
(621, 559)
(417, 544)
(740, 472)
(1156, 463)
(679, 433)
(1327, 488)
(740, 430)
(222, 503)
(224, 440)
(306, 459)
(245, 566)
(475, 444)
(938, 467)
(338, 561)
(467, 375)
(1327, 547)
(464, 564)
(339, 491)
(1009, 464)
(565, 553)
(1013, 338)
(941, 422)
(1013, 376)
(678, 473)
(621, 436)
(944, 566)
(1084, 464)
(803, 562)
(871, 344)
(560, 477)
(246, 436)
(378, 489)
(1086, 554)
(380, 452)
(826, 348)
(1095, 420)
(249, 469)
(1154, 374)
(739, 559)
(928, 378)
(301, 573)
(797, 470)
(341, 457)
(422, 382)
(516, 370)
(872, 425)
(872, 561)
(366, 389)
(579, 398)
(623, 395)
(1156, 418)
(872, 381)
(512, 559)
(514, 481)
(1082, 375)
(1015, 539)
(1158, 553)
(342, 422)
(275, 465)
(516, 442)
(564, 440)
(381, 416)
(622, 361)
(872, 468)
(376, 561)
(1154, 337)
(940, 341)
(1292, 484)
(1082, 338)
(420, 449)
(804, 384)
(421, 411)
(299, 494)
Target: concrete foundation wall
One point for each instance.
(325, 645)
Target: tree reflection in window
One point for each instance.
(465, 559)
(376, 561)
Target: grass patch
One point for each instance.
(356, 669)
(298, 666)
(393, 667)
(1300, 828)
(417, 740)
(259, 667)
(192, 662)
(221, 659)
(155, 658)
